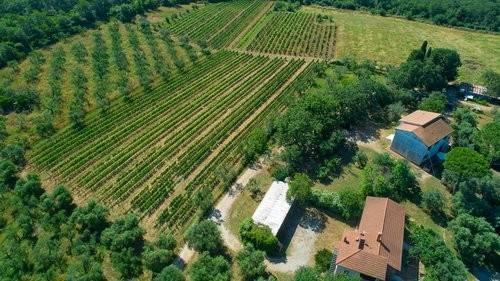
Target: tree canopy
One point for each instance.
(209, 268)
(475, 239)
(466, 163)
(390, 178)
(204, 237)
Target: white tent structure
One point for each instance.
(274, 207)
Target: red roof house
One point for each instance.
(376, 246)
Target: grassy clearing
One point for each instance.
(389, 40)
(245, 205)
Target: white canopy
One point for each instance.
(274, 207)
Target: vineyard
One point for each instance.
(153, 153)
(296, 34)
(218, 24)
(98, 66)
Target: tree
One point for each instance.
(391, 178)
(8, 175)
(492, 82)
(433, 202)
(14, 153)
(308, 130)
(251, 262)
(204, 200)
(465, 163)
(323, 259)
(254, 145)
(464, 128)
(170, 273)
(85, 268)
(300, 189)
(208, 268)
(90, 221)
(57, 206)
(435, 102)
(351, 203)
(448, 60)
(440, 262)
(124, 238)
(432, 78)
(475, 239)
(160, 254)
(489, 142)
(478, 197)
(29, 190)
(204, 237)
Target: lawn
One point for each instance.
(245, 205)
(389, 40)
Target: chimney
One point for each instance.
(361, 244)
(379, 237)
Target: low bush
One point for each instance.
(259, 236)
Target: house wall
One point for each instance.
(438, 146)
(409, 146)
(343, 270)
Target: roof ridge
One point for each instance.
(383, 225)
(353, 253)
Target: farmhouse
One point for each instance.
(273, 208)
(421, 135)
(374, 250)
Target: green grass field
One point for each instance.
(389, 40)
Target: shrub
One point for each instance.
(280, 172)
(253, 187)
(323, 258)
(360, 159)
(259, 236)
(433, 202)
(300, 189)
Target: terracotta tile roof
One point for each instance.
(429, 127)
(420, 117)
(378, 241)
(433, 132)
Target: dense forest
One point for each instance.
(27, 24)
(473, 14)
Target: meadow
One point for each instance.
(388, 40)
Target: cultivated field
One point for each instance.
(389, 40)
(89, 70)
(153, 154)
(296, 34)
(218, 24)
